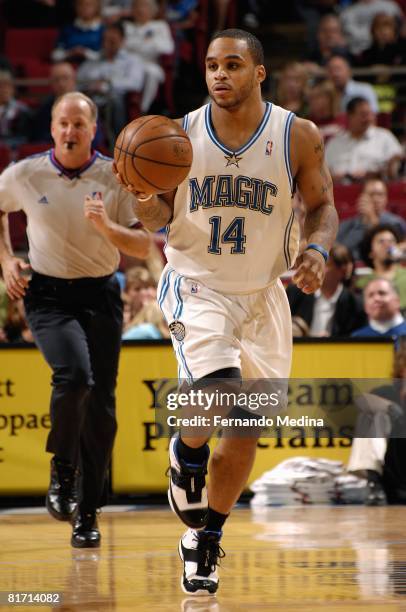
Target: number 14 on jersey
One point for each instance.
(233, 234)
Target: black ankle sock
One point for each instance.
(189, 454)
(215, 520)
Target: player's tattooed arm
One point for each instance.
(316, 188)
(156, 212)
(314, 183)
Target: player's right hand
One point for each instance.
(16, 283)
(127, 186)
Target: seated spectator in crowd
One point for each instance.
(140, 289)
(15, 116)
(339, 72)
(115, 10)
(148, 324)
(372, 210)
(378, 252)
(356, 21)
(291, 88)
(363, 149)
(182, 16)
(386, 47)
(381, 460)
(333, 310)
(62, 79)
(330, 40)
(110, 78)
(148, 38)
(82, 39)
(311, 12)
(16, 327)
(323, 109)
(382, 306)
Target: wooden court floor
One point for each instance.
(348, 558)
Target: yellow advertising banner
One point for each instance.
(140, 457)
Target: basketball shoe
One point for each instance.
(200, 552)
(187, 492)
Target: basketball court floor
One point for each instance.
(307, 558)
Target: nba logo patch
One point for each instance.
(97, 195)
(268, 148)
(194, 288)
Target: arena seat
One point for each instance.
(31, 148)
(24, 42)
(346, 198)
(5, 156)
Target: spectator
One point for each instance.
(110, 78)
(15, 116)
(148, 38)
(339, 71)
(148, 324)
(140, 289)
(379, 459)
(382, 306)
(330, 40)
(291, 88)
(378, 252)
(372, 210)
(182, 16)
(16, 326)
(356, 21)
(323, 109)
(115, 10)
(333, 310)
(386, 48)
(62, 79)
(363, 149)
(311, 12)
(82, 39)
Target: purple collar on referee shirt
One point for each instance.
(68, 172)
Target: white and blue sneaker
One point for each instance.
(187, 492)
(200, 552)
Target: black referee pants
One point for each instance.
(77, 325)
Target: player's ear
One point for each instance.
(261, 73)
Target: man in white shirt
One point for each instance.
(111, 77)
(363, 149)
(339, 72)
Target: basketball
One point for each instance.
(153, 154)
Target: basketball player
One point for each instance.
(78, 220)
(231, 234)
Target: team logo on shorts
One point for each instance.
(177, 330)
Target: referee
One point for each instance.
(78, 218)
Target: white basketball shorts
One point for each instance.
(211, 331)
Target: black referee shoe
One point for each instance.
(85, 532)
(61, 499)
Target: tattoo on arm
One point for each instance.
(153, 214)
(321, 225)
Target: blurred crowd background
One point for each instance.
(339, 63)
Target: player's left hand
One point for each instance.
(310, 271)
(96, 213)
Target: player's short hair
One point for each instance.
(254, 45)
(77, 95)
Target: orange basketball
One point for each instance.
(153, 154)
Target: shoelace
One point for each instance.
(210, 546)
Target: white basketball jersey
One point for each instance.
(233, 227)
